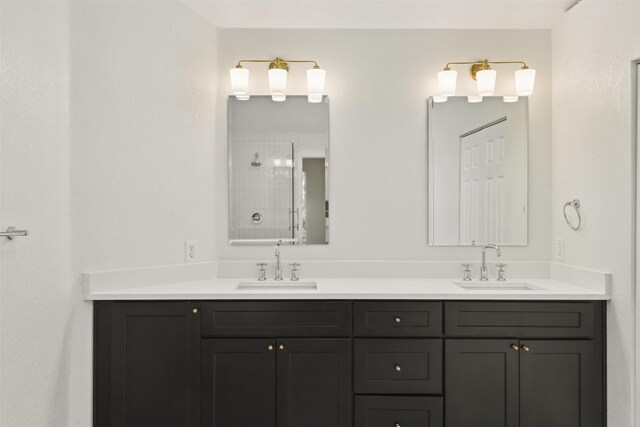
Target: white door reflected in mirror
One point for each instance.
(478, 172)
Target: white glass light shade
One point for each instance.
(525, 79)
(239, 82)
(315, 81)
(474, 99)
(486, 80)
(439, 98)
(278, 97)
(314, 98)
(509, 98)
(277, 80)
(243, 97)
(447, 82)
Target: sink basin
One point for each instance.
(277, 286)
(497, 286)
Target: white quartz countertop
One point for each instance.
(349, 289)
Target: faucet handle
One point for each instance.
(294, 271)
(501, 271)
(466, 273)
(262, 273)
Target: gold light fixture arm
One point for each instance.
(482, 65)
(278, 63)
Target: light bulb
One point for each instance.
(525, 79)
(439, 98)
(240, 82)
(510, 98)
(486, 80)
(447, 82)
(278, 97)
(277, 80)
(315, 84)
(474, 99)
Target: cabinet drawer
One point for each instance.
(397, 319)
(398, 366)
(522, 319)
(390, 411)
(276, 319)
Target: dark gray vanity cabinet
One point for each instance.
(522, 380)
(481, 382)
(239, 382)
(349, 363)
(284, 383)
(297, 374)
(146, 364)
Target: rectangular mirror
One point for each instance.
(478, 172)
(278, 171)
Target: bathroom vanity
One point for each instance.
(312, 362)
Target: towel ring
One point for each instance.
(575, 204)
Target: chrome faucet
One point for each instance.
(278, 269)
(483, 269)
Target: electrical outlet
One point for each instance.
(191, 251)
(559, 250)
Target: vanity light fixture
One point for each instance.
(278, 73)
(485, 77)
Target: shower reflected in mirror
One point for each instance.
(278, 171)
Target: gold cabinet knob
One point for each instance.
(526, 348)
(281, 346)
(397, 425)
(515, 347)
(195, 310)
(270, 347)
(397, 320)
(397, 368)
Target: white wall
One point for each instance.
(378, 82)
(143, 118)
(41, 306)
(108, 116)
(592, 160)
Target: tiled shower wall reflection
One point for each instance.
(266, 189)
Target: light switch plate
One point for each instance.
(559, 252)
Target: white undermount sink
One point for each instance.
(497, 286)
(277, 286)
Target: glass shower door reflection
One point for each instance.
(261, 196)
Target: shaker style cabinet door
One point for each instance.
(147, 364)
(314, 383)
(560, 384)
(481, 383)
(239, 383)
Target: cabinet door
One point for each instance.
(238, 383)
(560, 384)
(147, 364)
(481, 383)
(314, 383)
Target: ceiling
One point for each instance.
(412, 14)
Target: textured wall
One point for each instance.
(107, 152)
(593, 160)
(39, 302)
(143, 118)
(378, 82)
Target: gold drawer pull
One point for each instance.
(270, 348)
(397, 425)
(525, 348)
(515, 347)
(397, 320)
(397, 368)
(281, 346)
